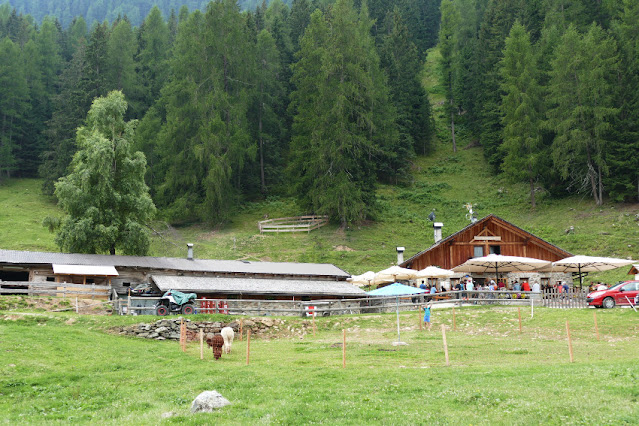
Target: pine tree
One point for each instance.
(582, 99)
(521, 108)
(152, 57)
(447, 47)
(623, 179)
(14, 105)
(401, 61)
(343, 119)
(105, 197)
(69, 111)
(121, 49)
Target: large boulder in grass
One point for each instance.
(208, 401)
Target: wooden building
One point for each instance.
(227, 279)
(491, 234)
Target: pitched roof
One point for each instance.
(178, 264)
(257, 286)
(478, 224)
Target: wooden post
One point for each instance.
(569, 341)
(77, 309)
(445, 345)
(241, 327)
(596, 326)
(248, 346)
(182, 335)
(201, 343)
(314, 323)
(519, 311)
(128, 307)
(454, 323)
(421, 325)
(344, 348)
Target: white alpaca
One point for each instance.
(228, 335)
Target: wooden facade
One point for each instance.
(488, 235)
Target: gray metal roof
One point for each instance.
(257, 286)
(178, 264)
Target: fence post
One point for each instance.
(569, 341)
(248, 346)
(519, 312)
(445, 345)
(201, 343)
(344, 348)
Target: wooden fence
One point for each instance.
(573, 298)
(292, 224)
(54, 289)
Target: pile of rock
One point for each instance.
(169, 329)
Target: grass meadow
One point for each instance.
(64, 368)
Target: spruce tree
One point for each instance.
(582, 107)
(343, 119)
(521, 109)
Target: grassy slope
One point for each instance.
(54, 370)
(443, 180)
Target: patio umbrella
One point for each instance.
(581, 264)
(394, 273)
(362, 280)
(497, 262)
(396, 290)
(434, 272)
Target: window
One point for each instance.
(478, 251)
(51, 279)
(495, 249)
(126, 284)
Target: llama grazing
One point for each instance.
(228, 335)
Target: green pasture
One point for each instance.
(61, 368)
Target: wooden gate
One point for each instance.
(573, 298)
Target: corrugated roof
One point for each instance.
(178, 264)
(257, 286)
(85, 270)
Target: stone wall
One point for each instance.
(169, 329)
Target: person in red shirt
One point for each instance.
(525, 286)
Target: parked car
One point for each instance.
(145, 289)
(619, 294)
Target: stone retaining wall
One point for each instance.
(169, 329)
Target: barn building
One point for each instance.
(491, 234)
(216, 279)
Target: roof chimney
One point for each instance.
(189, 252)
(437, 227)
(400, 255)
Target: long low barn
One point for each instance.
(206, 277)
(252, 288)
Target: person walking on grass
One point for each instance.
(427, 315)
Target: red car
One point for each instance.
(619, 294)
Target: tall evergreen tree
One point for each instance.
(343, 118)
(623, 180)
(401, 61)
(447, 47)
(96, 83)
(582, 99)
(69, 111)
(521, 110)
(205, 142)
(496, 24)
(14, 105)
(153, 56)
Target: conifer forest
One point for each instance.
(323, 99)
